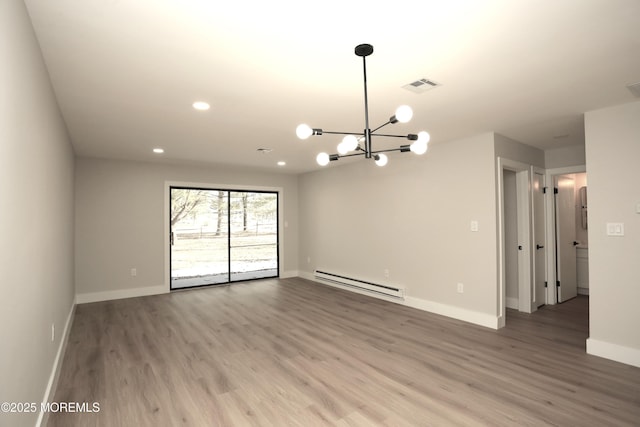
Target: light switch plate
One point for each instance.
(615, 229)
(474, 226)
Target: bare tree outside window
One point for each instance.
(184, 202)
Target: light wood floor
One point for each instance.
(294, 353)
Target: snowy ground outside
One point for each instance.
(205, 260)
(215, 274)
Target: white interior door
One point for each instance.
(510, 235)
(565, 238)
(539, 240)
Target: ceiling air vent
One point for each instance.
(634, 89)
(421, 85)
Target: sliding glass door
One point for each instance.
(253, 240)
(222, 236)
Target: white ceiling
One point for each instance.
(126, 72)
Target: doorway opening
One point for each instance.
(220, 236)
(522, 238)
(568, 224)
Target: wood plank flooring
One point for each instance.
(295, 353)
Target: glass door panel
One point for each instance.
(199, 237)
(253, 237)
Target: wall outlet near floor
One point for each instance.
(53, 332)
(134, 272)
(386, 273)
(460, 288)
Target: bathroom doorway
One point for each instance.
(568, 256)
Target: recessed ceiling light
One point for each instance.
(201, 105)
(281, 163)
(158, 150)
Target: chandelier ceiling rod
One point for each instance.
(351, 142)
(365, 50)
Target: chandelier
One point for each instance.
(359, 144)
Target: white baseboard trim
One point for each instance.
(475, 317)
(120, 294)
(57, 365)
(307, 275)
(458, 313)
(583, 291)
(289, 274)
(618, 353)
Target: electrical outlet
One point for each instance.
(134, 272)
(53, 332)
(308, 260)
(460, 288)
(386, 273)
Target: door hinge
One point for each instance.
(544, 190)
(555, 190)
(545, 284)
(558, 283)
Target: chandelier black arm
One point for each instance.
(341, 133)
(381, 126)
(402, 149)
(339, 156)
(410, 137)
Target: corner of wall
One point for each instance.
(57, 366)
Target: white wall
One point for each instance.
(36, 218)
(511, 149)
(411, 217)
(121, 224)
(613, 152)
(573, 155)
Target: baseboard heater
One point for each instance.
(386, 290)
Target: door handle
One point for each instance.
(519, 247)
(575, 243)
(539, 246)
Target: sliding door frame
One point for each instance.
(214, 187)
